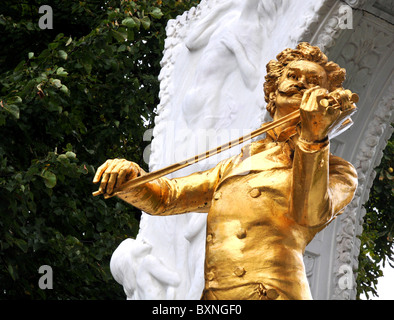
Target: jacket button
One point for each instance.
(272, 294)
(254, 193)
(210, 276)
(217, 195)
(239, 271)
(241, 233)
(209, 238)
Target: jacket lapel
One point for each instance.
(259, 156)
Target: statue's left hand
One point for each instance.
(322, 112)
(114, 173)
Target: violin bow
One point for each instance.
(183, 164)
(192, 160)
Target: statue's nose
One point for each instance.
(302, 83)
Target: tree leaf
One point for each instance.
(63, 54)
(12, 109)
(71, 155)
(145, 21)
(65, 90)
(56, 82)
(121, 37)
(69, 41)
(49, 179)
(15, 100)
(156, 13)
(11, 271)
(22, 244)
(61, 72)
(137, 21)
(130, 22)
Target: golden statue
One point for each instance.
(267, 203)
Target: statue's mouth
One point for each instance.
(294, 92)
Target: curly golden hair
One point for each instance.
(304, 51)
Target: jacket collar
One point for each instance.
(273, 152)
(284, 135)
(289, 136)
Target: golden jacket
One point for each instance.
(264, 206)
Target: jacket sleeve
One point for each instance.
(165, 196)
(322, 184)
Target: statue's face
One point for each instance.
(142, 249)
(297, 77)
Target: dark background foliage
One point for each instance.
(377, 247)
(72, 97)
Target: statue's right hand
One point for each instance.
(114, 173)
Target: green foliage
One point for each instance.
(70, 98)
(377, 245)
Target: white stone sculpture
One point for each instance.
(142, 275)
(211, 91)
(230, 43)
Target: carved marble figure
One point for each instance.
(139, 271)
(267, 203)
(232, 45)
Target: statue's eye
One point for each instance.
(292, 75)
